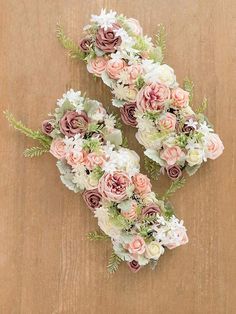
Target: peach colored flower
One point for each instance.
(142, 184)
(167, 122)
(172, 154)
(114, 67)
(137, 245)
(152, 97)
(135, 27)
(57, 148)
(182, 239)
(93, 160)
(133, 72)
(131, 213)
(97, 66)
(214, 146)
(180, 97)
(75, 158)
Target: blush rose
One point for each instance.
(142, 184)
(97, 66)
(172, 154)
(57, 148)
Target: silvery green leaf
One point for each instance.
(114, 138)
(67, 180)
(153, 155)
(91, 106)
(63, 167)
(191, 170)
(118, 103)
(106, 79)
(98, 52)
(125, 205)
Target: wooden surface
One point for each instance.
(46, 263)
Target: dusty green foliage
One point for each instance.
(189, 87)
(161, 39)
(202, 107)
(113, 263)
(175, 185)
(43, 139)
(69, 44)
(125, 142)
(97, 235)
(35, 152)
(152, 168)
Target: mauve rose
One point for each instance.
(151, 209)
(127, 114)
(84, 44)
(134, 266)
(106, 40)
(47, 127)
(187, 128)
(174, 172)
(92, 198)
(73, 123)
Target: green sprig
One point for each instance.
(113, 263)
(175, 185)
(152, 168)
(189, 87)
(202, 107)
(97, 235)
(161, 39)
(35, 152)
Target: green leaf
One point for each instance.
(125, 142)
(161, 39)
(113, 263)
(97, 235)
(152, 168)
(202, 107)
(35, 151)
(35, 135)
(189, 87)
(69, 44)
(175, 185)
(191, 170)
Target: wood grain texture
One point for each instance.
(46, 263)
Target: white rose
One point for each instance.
(105, 224)
(134, 25)
(163, 74)
(194, 157)
(154, 250)
(149, 139)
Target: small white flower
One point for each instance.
(110, 122)
(120, 91)
(192, 123)
(105, 19)
(74, 98)
(205, 128)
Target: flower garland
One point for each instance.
(146, 91)
(91, 159)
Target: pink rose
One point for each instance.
(114, 67)
(85, 44)
(142, 184)
(47, 127)
(74, 123)
(131, 213)
(180, 97)
(134, 26)
(134, 266)
(93, 160)
(106, 40)
(214, 146)
(92, 198)
(75, 158)
(182, 239)
(57, 148)
(151, 209)
(172, 154)
(113, 186)
(137, 245)
(97, 66)
(152, 97)
(127, 114)
(167, 122)
(134, 71)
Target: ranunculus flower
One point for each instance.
(75, 158)
(171, 154)
(174, 172)
(47, 127)
(84, 44)
(135, 27)
(152, 97)
(167, 122)
(127, 114)
(181, 239)
(214, 146)
(114, 67)
(137, 245)
(93, 160)
(180, 97)
(194, 157)
(106, 40)
(142, 184)
(131, 213)
(113, 186)
(151, 209)
(154, 250)
(73, 123)
(134, 266)
(97, 66)
(57, 148)
(92, 198)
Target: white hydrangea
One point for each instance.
(74, 98)
(105, 19)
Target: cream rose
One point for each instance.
(114, 68)
(172, 154)
(194, 157)
(167, 122)
(57, 148)
(154, 250)
(180, 97)
(135, 27)
(97, 66)
(214, 146)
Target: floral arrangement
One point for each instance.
(92, 159)
(175, 137)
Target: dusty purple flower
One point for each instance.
(127, 114)
(73, 123)
(47, 127)
(174, 172)
(92, 198)
(106, 40)
(187, 128)
(99, 137)
(150, 210)
(84, 44)
(134, 266)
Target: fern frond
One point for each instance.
(175, 185)
(152, 168)
(96, 235)
(69, 44)
(35, 135)
(161, 39)
(189, 87)
(202, 107)
(113, 263)
(35, 152)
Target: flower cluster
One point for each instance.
(148, 95)
(91, 160)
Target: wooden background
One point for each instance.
(46, 263)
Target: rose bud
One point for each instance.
(127, 114)
(73, 123)
(84, 44)
(151, 209)
(174, 172)
(134, 266)
(47, 127)
(92, 198)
